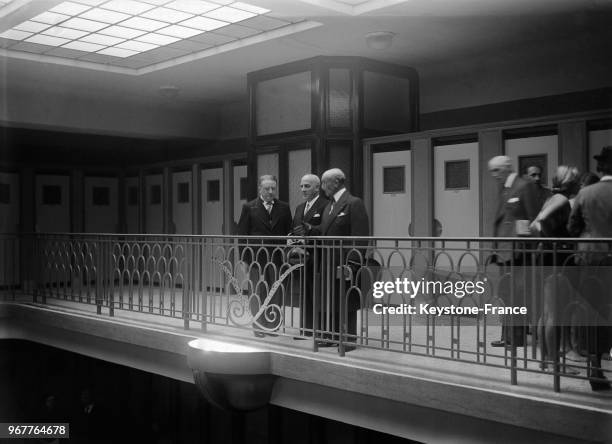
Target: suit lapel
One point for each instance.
(338, 207)
(312, 210)
(262, 213)
(275, 214)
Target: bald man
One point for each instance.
(308, 213)
(311, 210)
(517, 207)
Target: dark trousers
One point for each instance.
(513, 293)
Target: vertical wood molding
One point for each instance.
(121, 203)
(77, 201)
(422, 180)
(573, 145)
(228, 197)
(490, 144)
(196, 199)
(367, 174)
(142, 196)
(168, 225)
(27, 195)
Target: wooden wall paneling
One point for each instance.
(490, 145)
(77, 202)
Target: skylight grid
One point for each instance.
(123, 28)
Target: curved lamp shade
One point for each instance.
(232, 377)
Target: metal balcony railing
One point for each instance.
(447, 298)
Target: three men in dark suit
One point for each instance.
(308, 213)
(518, 206)
(591, 217)
(265, 216)
(344, 215)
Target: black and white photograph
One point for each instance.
(306, 221)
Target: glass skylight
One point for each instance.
(105, 15)
(51, 18)
(31, 26)
(167, 15)
(66, 33)
(124, 28)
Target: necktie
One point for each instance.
(307, 207)
(331, 208)
(268, 206)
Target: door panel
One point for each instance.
(132, 205)
(154, 204)
(534, 146)
(9, 223)
(456, 195)
(240, 191)
(101, 205)
(52, 203)
(181, 202)
(392, 200)
(212, 201)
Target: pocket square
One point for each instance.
(317, 215)
(341, 214)
(513, 200)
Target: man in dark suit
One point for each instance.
(518, 205)
(534, 174)
(310, 213)
(265, 216)
(591, 217)
(344, 215)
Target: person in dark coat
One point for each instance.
(265, 216)
(591, 217)
(344, 215)
(517, 207)
(310, 213)
(551, 221)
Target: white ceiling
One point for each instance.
(429, 35)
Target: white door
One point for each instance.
(52, 203)
(101, 205)
(181, 204)
(240, 191)
(154, 204)
(522, 150)
(9, 202)
(597, 140)
(132, 205)
(392, 199)
(212, 201)
(9, 223)
(456, 197)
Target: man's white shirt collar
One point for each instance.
(510, 180)
(339, 194)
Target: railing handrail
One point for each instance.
(325, 238)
